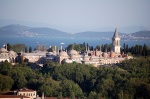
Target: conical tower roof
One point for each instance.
(116, 34)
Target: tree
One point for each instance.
(6, 83)
(139, 50)
(5, 67)
(19, 79)
(91, 48)
(145, 50)
(18, 47)
(127, 49)
(70, 89)
(30, 50)
(105, 47)
(84, 45)
(124, 48)
(78, 47)
(87, 46)
(98, 47)
(26, 50)
(59, 95)
(8, 46)
(92, 95)
(50, 87)
(51, 49)
(102, 47)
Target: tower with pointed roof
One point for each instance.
(116, 42)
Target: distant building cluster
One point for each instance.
(94, 57)
(10, 56)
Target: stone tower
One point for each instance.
(116, 42)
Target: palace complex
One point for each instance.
(94, 57)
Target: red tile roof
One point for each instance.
(13, 96)
(54, 98)
(25, 90)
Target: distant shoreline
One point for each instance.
(51, 41)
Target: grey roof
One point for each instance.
(116, 34)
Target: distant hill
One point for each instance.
(11, 30)
(21, 30)
(49, 32)
(141, 34)
(92, 34)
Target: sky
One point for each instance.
(77, 15)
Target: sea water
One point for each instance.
(48, 41)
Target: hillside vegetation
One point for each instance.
(128, 80)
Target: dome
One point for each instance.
(73, 52)
(63, 54)
(50, 57)
(12, 53)
(49, 53)
(3, 50)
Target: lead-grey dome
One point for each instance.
(73, 52)
(12, 53)
(3, 50)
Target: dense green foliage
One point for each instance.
(128, 80)
(82, 47)
(17, 47)
(77, 47)
(30, 49)
(137, 50)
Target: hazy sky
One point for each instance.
(78, 15)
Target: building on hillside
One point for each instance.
(26, 92)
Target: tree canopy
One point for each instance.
(129, 79)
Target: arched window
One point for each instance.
(115, 42)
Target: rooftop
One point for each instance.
(13, 96)
(24, 90)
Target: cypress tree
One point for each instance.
(30, 49)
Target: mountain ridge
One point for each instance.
(21, 30)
